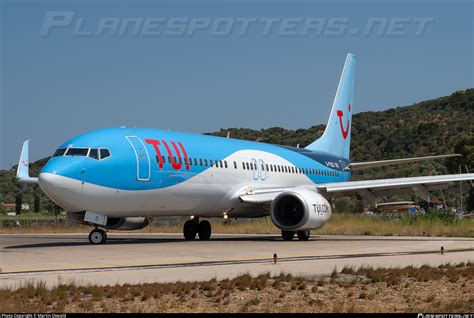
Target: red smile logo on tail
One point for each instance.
(340, 113)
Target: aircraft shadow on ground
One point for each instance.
(137, 240)
(66, 242)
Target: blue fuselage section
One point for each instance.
(145, 159)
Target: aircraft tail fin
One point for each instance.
(336, 139)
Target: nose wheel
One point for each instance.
(193, 227)
(97, 236)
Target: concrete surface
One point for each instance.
(139, 257)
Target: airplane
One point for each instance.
(117, 178)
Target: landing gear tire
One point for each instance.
(303, 235)
(204, 230)
(287, 235)
(97, 236)
(190, 230)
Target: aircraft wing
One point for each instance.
(370, 189)
(356, 166)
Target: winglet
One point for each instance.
(22, 173)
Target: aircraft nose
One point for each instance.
(64, 191)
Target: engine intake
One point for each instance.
(300, 209)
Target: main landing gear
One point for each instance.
(289, 235)
(193, 227)
(97, 236)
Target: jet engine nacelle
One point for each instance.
(300, 209)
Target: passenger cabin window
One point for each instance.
(77, 152)
(60, 152)
(94, 153)
(104, 153)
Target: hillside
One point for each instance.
(427, 128)
(438, 126)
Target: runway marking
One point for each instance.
(227, 262)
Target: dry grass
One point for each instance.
(368, 225)
(447, 288)
(341, 224)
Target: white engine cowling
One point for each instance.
(300, 209)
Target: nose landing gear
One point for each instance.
(193, 227)
(97, 236)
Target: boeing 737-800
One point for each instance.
(115, 179)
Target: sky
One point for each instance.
(67, 67)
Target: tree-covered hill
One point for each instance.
(428, 128)
(438, 126)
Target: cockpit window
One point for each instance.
(104, 153)
(60, 152)
(77, 152)
(94, 153)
